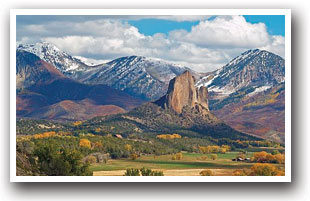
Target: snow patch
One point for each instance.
(258, 90)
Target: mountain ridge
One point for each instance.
(188, 118)
(40, 86)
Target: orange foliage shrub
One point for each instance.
(223, 150)
(260, 169)
(241, 172)
(133, 156)
(44, 135)
(260, 156)
(280, 158)
(97, 145)
(213, 156)
(169, 136)
(212, 149)
(264, 157)
(77, 123)
(206, 172)
(177, 156)
(270, 158)
(227, 147)
(91, 159)
(85, 143)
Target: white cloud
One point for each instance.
(225, 32)
(91, 62)
(208, 46)
(181, 18)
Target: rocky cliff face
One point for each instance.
(31, 70)
(182, 92)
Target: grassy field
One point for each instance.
(193, 162)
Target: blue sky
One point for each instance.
(152, 26)
(203, 43)
(275, 24)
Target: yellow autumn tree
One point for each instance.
(77, 123)
(280, 158)
(203, 149)
(260, 156)
(213, 156)
(179, 156)
(264, 169)
(97, 145)
(85, 143)
(206, 172)
(223, 150)
(128, 147)
(169, 136)
(243, 172)
(227, 147)
(133, 156)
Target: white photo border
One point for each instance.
(15, 12)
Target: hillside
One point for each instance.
(261, 115)
(162, 116)
(248, 94)
(138, 76)
(43, 92)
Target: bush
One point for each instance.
(179, 156)
(213, 156)
(91, 159)
(243, 172)
(280, 158)
(203, 158)
(142, 172)
(149, 172)
(206, 172)
(223, 150)
(57, 161)
(260, 157)
(274, 152)
(85, 143)
(133, 156)
(260, 169)
(132, 172)
(264, 157)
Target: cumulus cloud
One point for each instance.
(207, 46)
(225, 32)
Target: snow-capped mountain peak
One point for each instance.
(48, 52)
(145, 77)
(252, 69)
(245, 55)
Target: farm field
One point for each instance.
(190, 165)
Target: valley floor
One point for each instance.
(190, 165)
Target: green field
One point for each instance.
(189, 161)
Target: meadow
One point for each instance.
(64, 153)
(191, 164)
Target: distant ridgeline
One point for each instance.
(248, 94)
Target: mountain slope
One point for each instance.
(187, 114)
(139, 76)
(31, 70)
(70, 66)
(75, 110)
(44, 92)
(262, 114)
(251, 72)
(248, 94)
